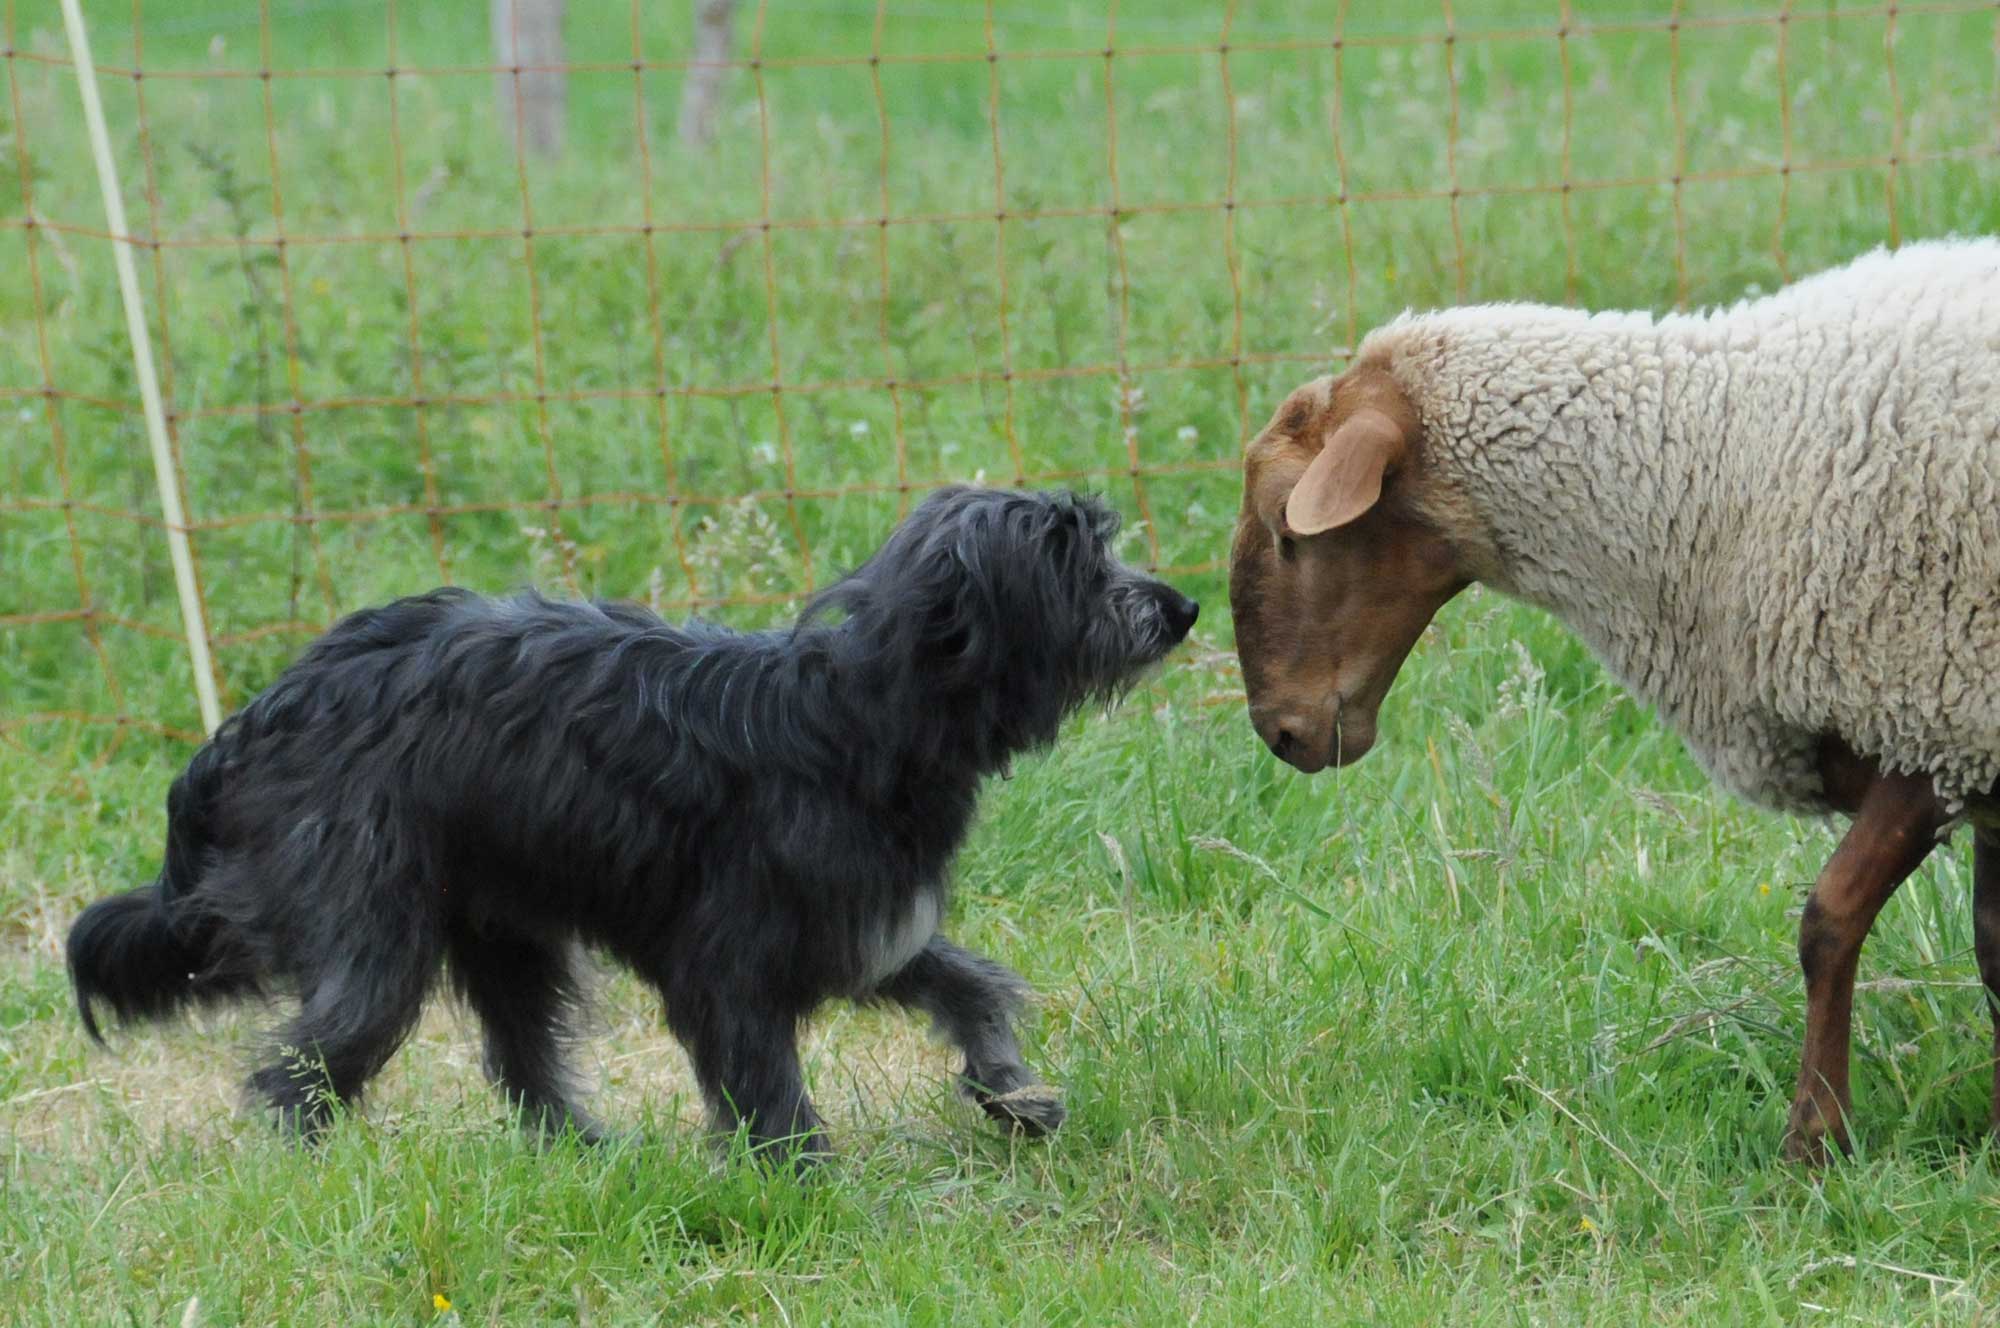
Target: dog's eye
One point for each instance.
(1288, 548)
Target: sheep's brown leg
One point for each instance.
(1986, 936)
(1895, 826)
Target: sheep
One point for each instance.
(1778, 523)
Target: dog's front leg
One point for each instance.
(746, 1058)
(973, 1001)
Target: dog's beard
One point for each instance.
(1133, 636)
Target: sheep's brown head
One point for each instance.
(1338, 564)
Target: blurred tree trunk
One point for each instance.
(714, 28)
(527, 36)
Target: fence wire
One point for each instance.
(299, 415)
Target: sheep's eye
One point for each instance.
(1288, 548)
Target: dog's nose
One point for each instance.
(1180, 613)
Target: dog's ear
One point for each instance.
(1103, 520)
(1060, 541)
(1019, 559)
(1345, 479)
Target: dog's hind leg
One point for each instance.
(973, 1001)
(746, 1058)
(524, 992)
(357, 1007)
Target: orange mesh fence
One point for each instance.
(1295, 178)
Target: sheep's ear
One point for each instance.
(1345, 479)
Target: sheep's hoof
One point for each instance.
(1809, 1140)
(1033, 1109)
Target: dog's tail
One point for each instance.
(128, 953)
(152, 952)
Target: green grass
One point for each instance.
(1499, 1025)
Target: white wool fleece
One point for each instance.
(1773, 521)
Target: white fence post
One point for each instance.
(142, 363)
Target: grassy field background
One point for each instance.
(1498, 1026)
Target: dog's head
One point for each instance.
(1008, 609)
(1339, 562)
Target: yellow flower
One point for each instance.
(320, 286)
(1763, 887)
(1586, 1225)
(442, 1304)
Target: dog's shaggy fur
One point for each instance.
(754, 822)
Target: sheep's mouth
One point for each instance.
(1349, 748)
(1341, 749)
(1353, 738)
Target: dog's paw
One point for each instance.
(1032, 1109)
(590, 1134)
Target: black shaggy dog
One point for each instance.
(754, 822)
